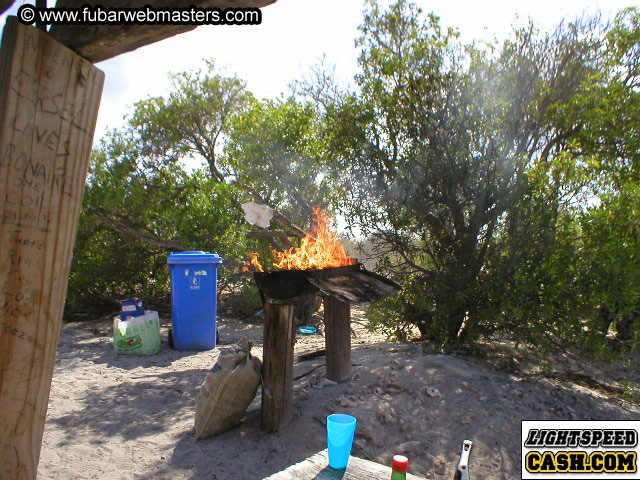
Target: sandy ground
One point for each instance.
(129, 417)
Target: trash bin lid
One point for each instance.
(194, 257)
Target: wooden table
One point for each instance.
(316, 467)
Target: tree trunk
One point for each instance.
(454, 323)
(424, 322)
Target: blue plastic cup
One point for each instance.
(340, 431)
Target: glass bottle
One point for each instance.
(399, 466)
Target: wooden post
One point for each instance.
(277, 366)
(49, 99)
(337, 337)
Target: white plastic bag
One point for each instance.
(137, 335)
(257, 214)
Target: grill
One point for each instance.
(341, 287)
(352, 284)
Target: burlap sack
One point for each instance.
(227, 391)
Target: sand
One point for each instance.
(130, 417)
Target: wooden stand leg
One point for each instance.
(277, 366)
(337, 339)
(49, 99)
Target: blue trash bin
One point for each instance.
(194, 299)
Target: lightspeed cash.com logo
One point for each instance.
(580, 449)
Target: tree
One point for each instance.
(142, 201)
(193, 121)
(276, 154)
(265, 148)
(442, 137)
(597, 174)
(133, 215)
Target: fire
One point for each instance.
(253, 262)
(320, 248)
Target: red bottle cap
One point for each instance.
(400, 463)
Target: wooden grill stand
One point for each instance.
(277, 369)
(337, 337)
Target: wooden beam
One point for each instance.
(337, 337)
(277, 366)
(316, 467)
(101, 42)
(5, 4)
(356, 287)
(49, 99)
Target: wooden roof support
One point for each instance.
(5, 4)
(49, 99)
(101, 42)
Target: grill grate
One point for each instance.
(353, 284)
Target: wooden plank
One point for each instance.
(337, 337)
(317, 467)
(49, 99)
(5, 4)
(301, 370)
(277, 366)
(359, 287)
(100, 42)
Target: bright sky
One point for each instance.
(297, 34)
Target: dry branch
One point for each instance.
(281, 234)
(148, 238)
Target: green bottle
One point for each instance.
(399, 466)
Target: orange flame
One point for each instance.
(252, 262)
(320, 248)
